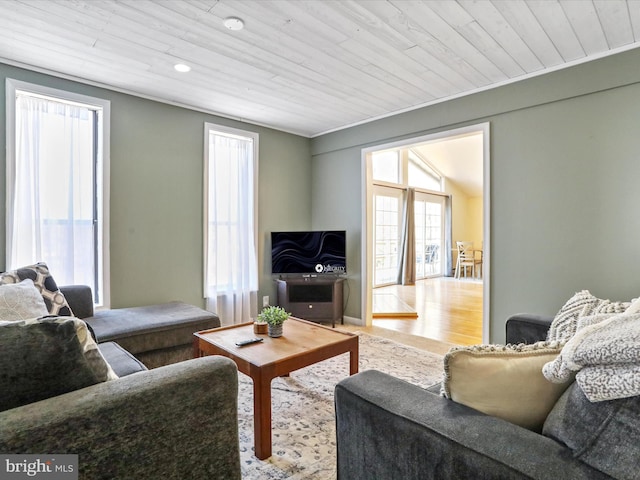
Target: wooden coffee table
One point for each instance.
(302, 344)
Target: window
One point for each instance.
(231, 266)
(422, 175)
(386, 166)
(57, 177)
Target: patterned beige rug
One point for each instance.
(303, 434)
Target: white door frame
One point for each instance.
(367, 222)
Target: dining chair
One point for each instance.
(467, 258)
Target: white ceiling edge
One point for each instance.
(509, 81)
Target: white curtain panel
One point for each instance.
(231, 281)
(50, 202)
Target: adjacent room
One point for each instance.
(440, 295)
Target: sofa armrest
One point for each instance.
(388, 428)
(80, 299)
(175, 422)
(527, 328)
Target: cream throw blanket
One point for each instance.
(605, 353)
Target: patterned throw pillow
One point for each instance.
(582, 304)
(45, 357)
(44, 282)
(20, 301)
(504, 381)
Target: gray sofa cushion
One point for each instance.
(121, 361)
(604, 435)
(144, 329)
(42, 358)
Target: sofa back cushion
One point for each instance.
(605, 435)
(45, 357)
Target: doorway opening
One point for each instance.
(422, 196)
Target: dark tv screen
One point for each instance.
(319, 252)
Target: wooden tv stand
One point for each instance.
(319, 299)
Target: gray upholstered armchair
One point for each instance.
(173, 422)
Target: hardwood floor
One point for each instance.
(448, 310)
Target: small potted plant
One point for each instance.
(274, 317)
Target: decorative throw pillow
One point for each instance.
(20, 301)
(44, 282)
(582, 304)
(46, 357)
(504, 381)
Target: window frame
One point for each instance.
(255, 137)
(102, 171)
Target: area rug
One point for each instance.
(304, 443)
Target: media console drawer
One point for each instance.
(312, 298)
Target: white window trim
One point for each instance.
(12, 86)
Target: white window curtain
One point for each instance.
(231, 277)
(50, 181)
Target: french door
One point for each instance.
(387, 206)
(429, 234)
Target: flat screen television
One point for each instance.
(313, 253)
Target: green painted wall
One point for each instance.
(156, 192)
(565, 159)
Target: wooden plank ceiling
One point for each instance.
(311, 66)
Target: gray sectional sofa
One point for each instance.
(156, 334)
(175, 421)
(389, 429)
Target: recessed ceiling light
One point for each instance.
(233, 23)
(181, 67)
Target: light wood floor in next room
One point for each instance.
(449, 312)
